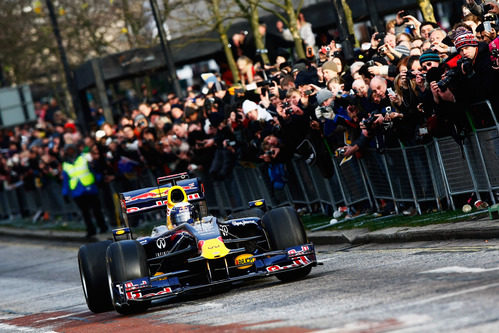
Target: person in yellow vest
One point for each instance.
(79, 182)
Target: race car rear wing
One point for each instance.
(152, 198)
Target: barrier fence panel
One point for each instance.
(375, 168)
(260, 184)
(428, 184)
(437, 180)
(4, 207)
(397, 171)
(324, 191)
(335, 186)
(12, 202)
(309, 193)
(489, 142)
(441, 169)
(476, 161)
(455, 168)
(278, 197)
(242, 178)
(352, 181)
(378, 177)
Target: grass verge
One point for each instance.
(321, 222)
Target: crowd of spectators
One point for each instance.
(404, 86)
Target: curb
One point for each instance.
(51, 235)
(460, 230)
(404, 236)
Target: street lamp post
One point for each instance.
(166, 49)
(342, 28)
(67, 71)
(373, 14)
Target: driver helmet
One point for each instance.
(182, 212)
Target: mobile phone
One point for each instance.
(423, 131)
(251, 86)
(487, 26)
(487, 22)
(310, 52)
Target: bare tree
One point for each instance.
(249, 9)
(289, 19)
(206, 16)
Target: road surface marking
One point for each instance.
(459, 269)
(453, 294)
(14, 328)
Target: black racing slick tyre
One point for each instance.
(284, 229)
(126, 260)
(93, 275)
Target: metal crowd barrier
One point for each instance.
(437, 171)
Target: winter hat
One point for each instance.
(322, 95)
(70, 127)
(306, 77)
(429, 55)
(464, 38)
(249, 106)
(331, 65)
(299, 66)
(403, 50)
(216, 118)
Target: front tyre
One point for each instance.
(126, 260)
(93, 275)
(284, 229)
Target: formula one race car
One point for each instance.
(192, 251)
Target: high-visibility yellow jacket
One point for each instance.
(78, 172)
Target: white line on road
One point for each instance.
(62, 316)
(459, 269)
(43, 295)
(14, 328)
(453, 294)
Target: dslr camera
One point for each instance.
(380, 36)
(287, 108)
(340, 152)
(382, 49)
(463, 70)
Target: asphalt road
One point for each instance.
(410, 287)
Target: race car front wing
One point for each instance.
(169, 285)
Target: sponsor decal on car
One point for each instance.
(244, 261)
(297, 262)
(161, 242)
(213, 248)
(304, 250)
(160, 254)
(224, 230)
(157, 193)
(241, 223)
(159, 274)
(135, 295)
(152, 194)
(132, 286)
(158, 203)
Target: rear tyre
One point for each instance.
(93, 275)
(126, 260)
(284, 229)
